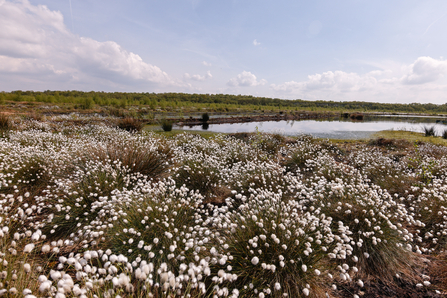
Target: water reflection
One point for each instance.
(339, 128)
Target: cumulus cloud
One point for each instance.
(206, 63)
(425, 70)
(256, 43)
(35, 44)
(416, 82)
(246, 79)
(188, 76)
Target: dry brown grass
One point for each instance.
(130, 124)
(5, 122)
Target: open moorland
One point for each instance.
(88, 209)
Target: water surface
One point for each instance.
(333, 129)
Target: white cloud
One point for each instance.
(417, 82)
(425, 70)
(256, 43)
(337, 80)
(35, 45)
(245, 79)
(206, 64)
(188, 76)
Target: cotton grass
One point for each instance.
(94, 210)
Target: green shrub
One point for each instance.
(86, 103)
(205, 117)
(166, 125)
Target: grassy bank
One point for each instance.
(91, 210)
(410, 136)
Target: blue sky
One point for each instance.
(382, 51)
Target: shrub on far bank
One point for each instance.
(166, 125)
(205, 117)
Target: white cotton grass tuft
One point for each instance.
(28, 248)
(255, 260)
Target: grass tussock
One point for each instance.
(429, 131)
(149, 159)
(5, 122)
(130, 124)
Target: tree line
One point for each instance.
(161, 100)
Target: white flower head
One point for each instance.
(28, 248)
(255, 261)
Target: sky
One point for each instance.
(345, 50)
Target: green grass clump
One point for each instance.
(80, 204)
(151, 227)
(299, 153)
(431, 209)
(269, 143)
(31, 176)
(198, 177)
(19, 270)
(370, 218)
(267, 246)
(409, 136)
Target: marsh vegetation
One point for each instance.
(88, 209)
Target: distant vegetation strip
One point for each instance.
(216, 102)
